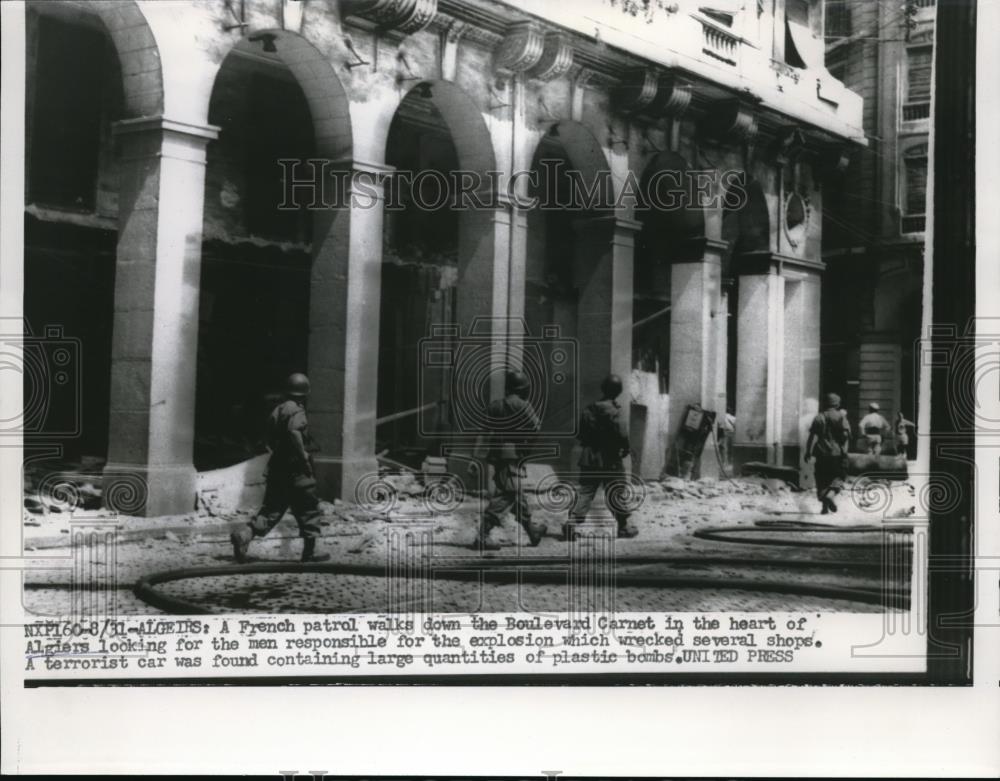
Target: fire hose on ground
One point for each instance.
(545, 570)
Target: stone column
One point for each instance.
(603, 274)
(345, 296)
(777, 366)
(759, 356)
(808, 314)
(697, 315)
(484, 269)
(154, 350)
(801, 365)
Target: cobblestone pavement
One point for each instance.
(668, 521)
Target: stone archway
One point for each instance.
(265, 227)
(332, 312)
(137, 50)
(445, 227)
(143, 465)
(570, 279)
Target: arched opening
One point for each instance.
(566, 241)
(258, 244)
(437, 262)
(74, 92)
(670, 221)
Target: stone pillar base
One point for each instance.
(338, 478)
(149, 489)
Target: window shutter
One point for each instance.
(838, 19)
(919, 62)
(915, 162)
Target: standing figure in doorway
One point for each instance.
(903, 428)
(875, 429)
(290, 479)
(828, 437)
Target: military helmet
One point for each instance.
(297, 385)
(516, 382)
(832, 401)
(611, 386)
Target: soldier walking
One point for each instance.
(828, 437)
(512, 417)
(605, 443)
(290, 479)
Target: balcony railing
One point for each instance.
(913, 112)
(719, 44)
(926, 3)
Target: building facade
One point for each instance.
(175, 225)
(874, 224)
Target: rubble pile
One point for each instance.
(60, 490)
(710, 488)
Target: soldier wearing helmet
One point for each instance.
(605, 443)
(290, 479)
(828, 440)
(511, 418)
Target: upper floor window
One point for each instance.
(916, 90)
(803, 49)
(914, 188)
(838, 19)
(918, 73)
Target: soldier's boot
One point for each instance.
(309, 553)
(482, 539)
(626, 530)
(569, 530)
(535, 532)
(241, 543)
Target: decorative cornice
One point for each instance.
(357, 165)
(654, 92)
(163, 124)
(638, 89)
(788, 145)
(521, 48)
(556, 59)
(731, 120)
(404, 16)
(450, 36)
(674, 96)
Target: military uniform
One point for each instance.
(604, 437)
(831, 432)
(513, 417)
(290, 481)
